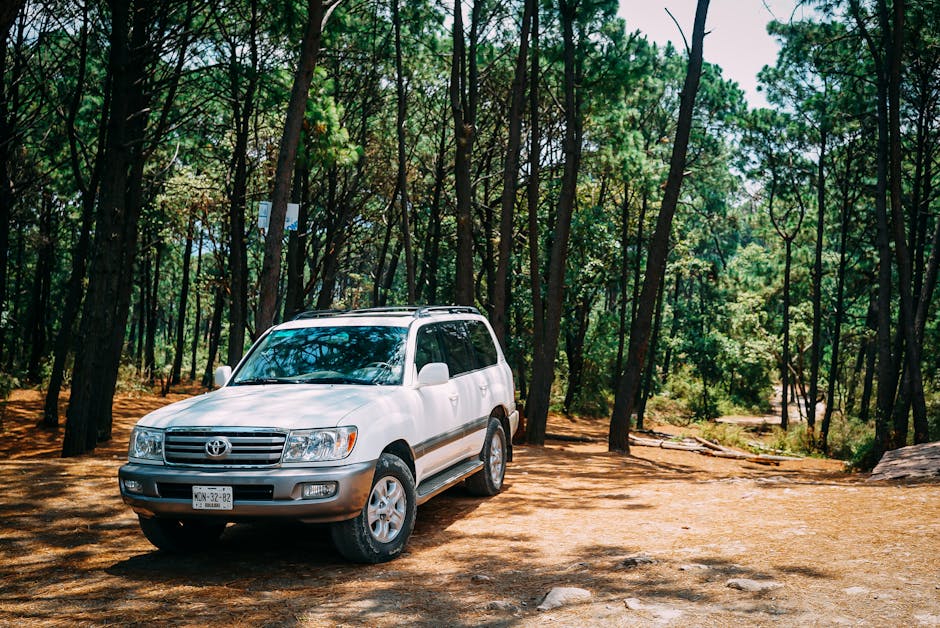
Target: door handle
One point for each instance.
(454, 397)
(484, 388)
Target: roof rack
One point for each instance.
(416, 311)
(445, 309)
(316, 314)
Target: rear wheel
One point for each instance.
(186, 535)
(381, 530)
(489, 480)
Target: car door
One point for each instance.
(462, 361)
(440, 411)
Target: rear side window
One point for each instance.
(482, 343)
(457, 346)
(427, 348)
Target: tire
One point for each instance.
(381, 530)
(488, 481)
(174, 535)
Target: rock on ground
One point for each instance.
(754, 586)
(914, 462)
(563, 596)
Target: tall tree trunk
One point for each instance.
(401, 118)
(244, 108)
(500, 315)
(651, 361)
(75, 288)
(37, 321)
(317, 13)
(463, 89)
(153, 309)
(546, 347)
(785, 358)
(816, 347)
(618, 439)
(215, 334)
(575, 333)
(105, 311)
(176, 372)
(535, 433)
(9, 106)
(198, 322)
(839, 314)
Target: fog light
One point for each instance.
(133, 486)
(318, 490)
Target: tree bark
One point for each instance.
(317, 12)
(401, 118)
(659, 246)
(543, 371)
(463, 90)
(839, 314)
(105, 311)
(176, 372)
(500, 315)
(243, 110)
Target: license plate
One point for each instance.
(212, 498)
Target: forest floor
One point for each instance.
(655, 537)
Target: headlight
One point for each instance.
(320, 445)
(146, 444)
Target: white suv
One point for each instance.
(354, 418)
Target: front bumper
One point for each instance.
(280, 487)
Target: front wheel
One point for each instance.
(380, 531)
(175, 535)
(489, 480)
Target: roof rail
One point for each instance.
(316, 314)
(416, 311)
(402, 309)
(446, 309)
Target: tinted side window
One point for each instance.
(482, 343)
(427, 347)
(457, 346)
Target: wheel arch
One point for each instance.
(499, 412)
(403, 450)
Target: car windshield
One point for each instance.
(367, 355)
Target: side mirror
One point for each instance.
(433, 374)
(222, 375)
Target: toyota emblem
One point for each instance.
(218, 447)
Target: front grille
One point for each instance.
(240, 492)
(249, 448)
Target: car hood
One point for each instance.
(279, 406)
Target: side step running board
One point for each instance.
(447, 478)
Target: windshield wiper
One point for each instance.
(264, 380)
(333, 380)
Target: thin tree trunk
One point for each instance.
(535, 433)
(177, 369)
(215, 333)
(244, 108)
(500, 315)
(401, 118)
(816, 347)
(198, 321)
(618, 439)
(543, 372)
(317, 13)
(838, 315)
(462, 101)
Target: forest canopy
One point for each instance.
(640, 238)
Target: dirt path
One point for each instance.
(842, 550)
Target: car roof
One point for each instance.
(387, 316)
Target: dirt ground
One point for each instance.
(844, 551)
